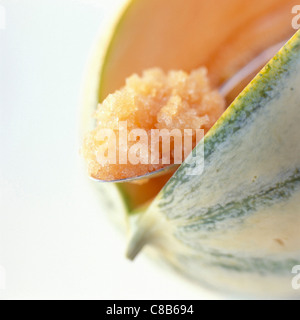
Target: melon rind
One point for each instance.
(236, 226)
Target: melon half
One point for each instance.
(226, 228)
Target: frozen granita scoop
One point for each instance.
(128, 140)
(150, 126)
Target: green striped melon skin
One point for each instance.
(236, 226)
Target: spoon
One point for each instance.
(224, 90)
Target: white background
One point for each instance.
(55, 242)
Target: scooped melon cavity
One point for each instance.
(155, 100)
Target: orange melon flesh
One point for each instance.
(184, 35)
(176, 103)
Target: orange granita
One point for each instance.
(156, 100)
